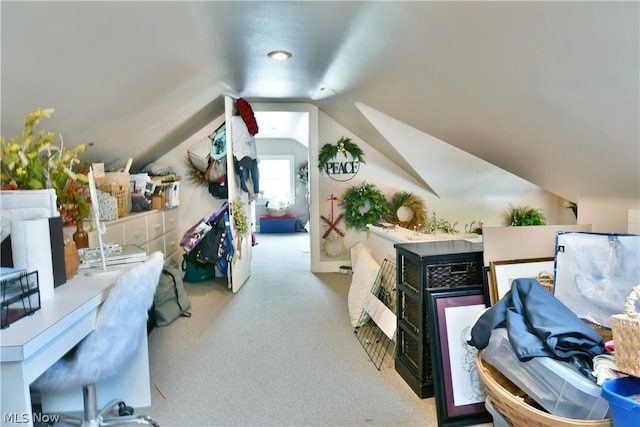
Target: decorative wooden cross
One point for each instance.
(333, 225)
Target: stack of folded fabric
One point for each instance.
(543, 348)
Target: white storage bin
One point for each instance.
(173, 194)
(555, 385)
(498, 419)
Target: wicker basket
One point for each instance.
(455, 274)
(121, 193)
(604, 331)
(277, 212)
(107, 206)
(626, 330)
(515, 405)
(546, 280)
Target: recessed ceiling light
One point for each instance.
(279, 55)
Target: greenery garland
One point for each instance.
(240, 226)
(240, 220)
(355, 198)
(344, 145)
(413, 202)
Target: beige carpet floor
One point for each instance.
(280, 352)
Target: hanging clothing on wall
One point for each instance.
(249, 175)
(245, 157)
(244, 144)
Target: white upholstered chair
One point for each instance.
(120, 323)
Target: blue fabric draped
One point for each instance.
(538, 324)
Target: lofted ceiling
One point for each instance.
(548, 91)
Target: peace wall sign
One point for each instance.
(341, 161)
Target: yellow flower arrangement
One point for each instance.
(32, 161)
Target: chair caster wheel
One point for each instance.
(124, 410)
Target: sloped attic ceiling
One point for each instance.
(450, 172)
(545, 90)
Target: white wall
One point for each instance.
(605, 216)
(463, 209)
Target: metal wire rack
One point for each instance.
(375, 341)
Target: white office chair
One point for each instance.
(120, 323)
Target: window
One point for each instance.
(277, 179)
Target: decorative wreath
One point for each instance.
(333, 246)
(303, 173)
(246, 112)
(355, 198)
(344, 145)
(413, 202)
(195, 175)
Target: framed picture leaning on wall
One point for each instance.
(458, 389)
(504, 272)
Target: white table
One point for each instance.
(381, 240)
(32, 344)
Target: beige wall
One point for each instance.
(604, 215)
(609, 215)
(513, 243)
(195, 201)
(462, 209)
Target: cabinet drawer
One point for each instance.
(171, 242)
(454, 274)
(410, 351)
(410, 273)
(155, 245)
(170, 219)
(409, 312)
(113, 234)
(135, 231)
(154, 225)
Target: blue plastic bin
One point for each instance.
(278, 224)
(624, 411)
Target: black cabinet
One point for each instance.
(422, 266)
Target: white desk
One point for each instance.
(381, 241)
(32, 344)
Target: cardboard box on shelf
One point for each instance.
(158, 200)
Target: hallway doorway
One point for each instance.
(285, 135)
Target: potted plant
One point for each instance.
(573, 206)
(33, 161)
(524, 216)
